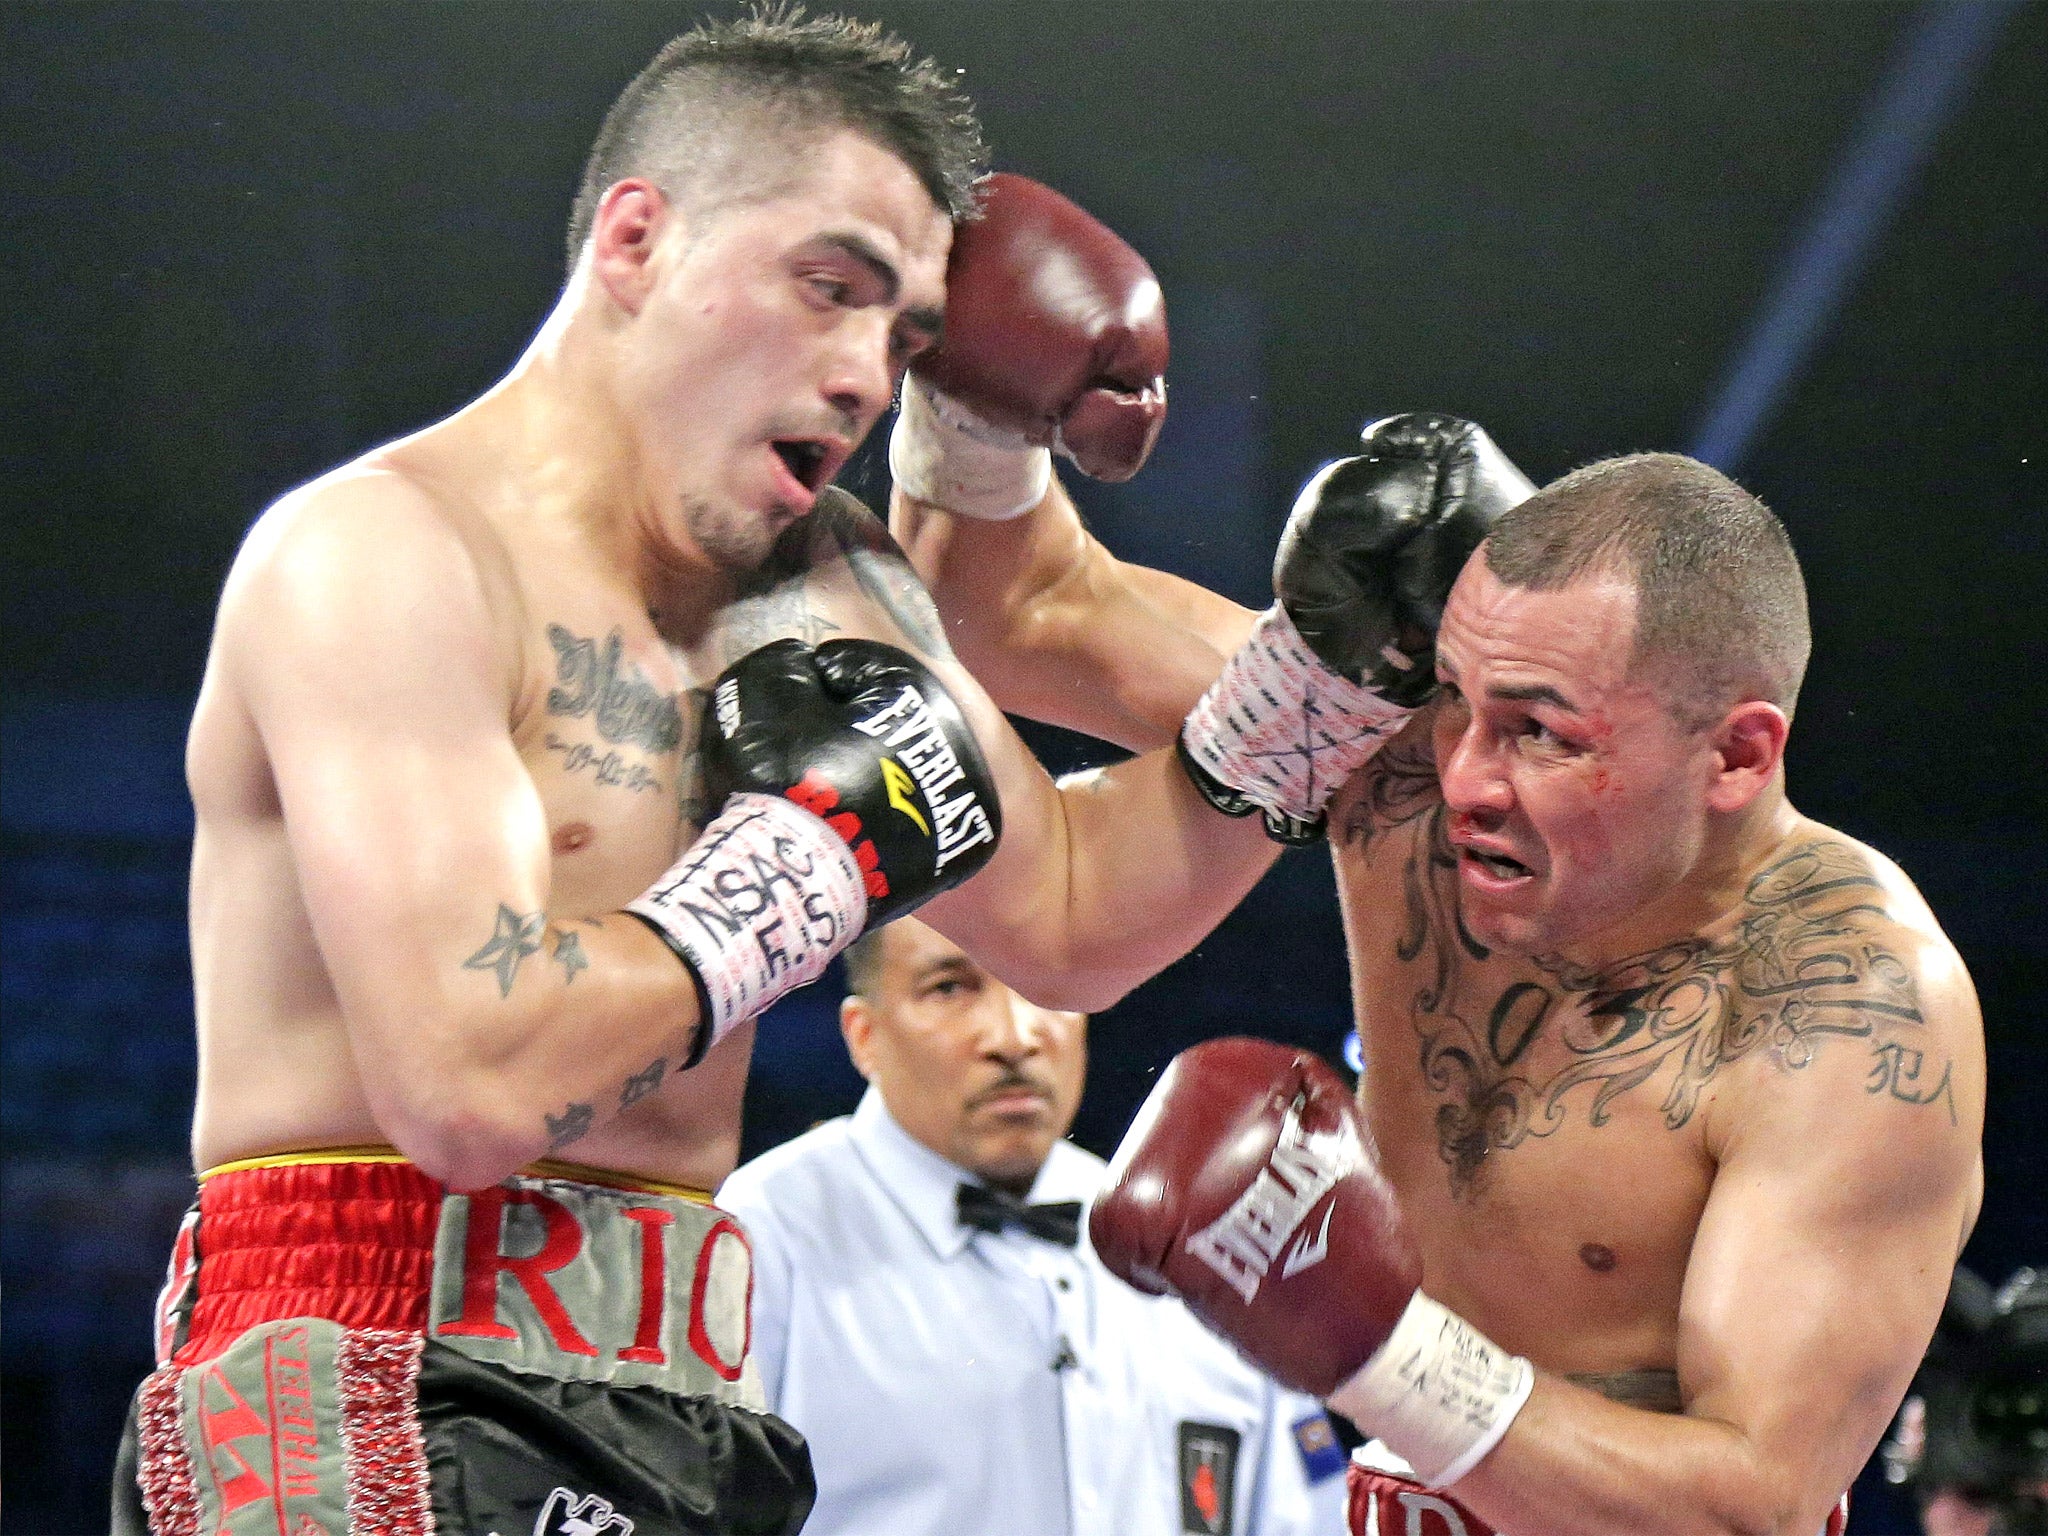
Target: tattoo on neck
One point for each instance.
(517, 935)
(1808, 959)
(1396, 787)
(595, 679)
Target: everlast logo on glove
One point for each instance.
(907, 727)
(1242, 1243)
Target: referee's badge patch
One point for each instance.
(1322, 1454)
(1208, 1477)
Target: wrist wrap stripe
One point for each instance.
(1280, 728)
(1439, 1392)
(942, 454)
(757, 907)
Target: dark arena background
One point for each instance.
(247, 241)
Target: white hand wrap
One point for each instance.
(1439, 1392)
(1281, 728)
(757, 907)
(942, 454)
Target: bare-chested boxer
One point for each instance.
(472, 890)
(1667, 1135)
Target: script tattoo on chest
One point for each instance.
(1808, 959)
(593, 678)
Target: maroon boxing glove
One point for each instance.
(1247, 1187)
(1055, 339)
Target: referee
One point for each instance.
(924, 1312)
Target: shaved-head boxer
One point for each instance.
(1667, 1133)
(537, 753)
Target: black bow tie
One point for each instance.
(991, 1210)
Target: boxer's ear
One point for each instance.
(1749, 744)
(623, 235)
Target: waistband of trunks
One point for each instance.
(347, 1234)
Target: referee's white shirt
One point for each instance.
(952, 1381)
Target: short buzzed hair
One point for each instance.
(721, 112)
(1720, 602)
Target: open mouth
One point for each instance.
(806, 460)
(1499, 865)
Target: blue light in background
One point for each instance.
(1927, 82)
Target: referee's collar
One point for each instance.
(924, 1185)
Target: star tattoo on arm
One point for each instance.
(569, 953)
(518, 935)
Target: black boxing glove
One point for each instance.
(1247, 1187)
(852, 792)
(1348, 653)
(1055, 339)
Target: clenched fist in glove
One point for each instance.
(1348, 653)
(1055, 339)
(852, 791)
(1247, 1187)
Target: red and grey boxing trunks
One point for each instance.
(347, 1349)
(1385, 1501)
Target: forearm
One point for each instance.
(1104, 883)
(1059, 630)
(539, 1034)
(1575, 1464)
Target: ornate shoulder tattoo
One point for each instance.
(1810, 958)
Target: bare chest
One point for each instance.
(608, 734)
(1548, 1148)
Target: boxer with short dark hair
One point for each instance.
(540, 751)
(1667, 1132)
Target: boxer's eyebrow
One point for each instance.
(1534, 693)
(928, 318)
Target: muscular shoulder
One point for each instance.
(837, 572)
(363, 550)
(368, 526)
(1848, 991)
